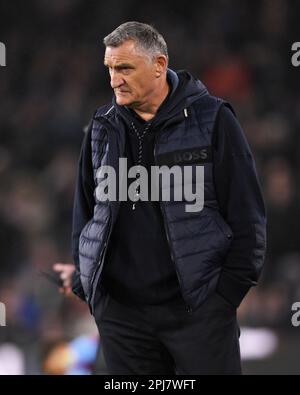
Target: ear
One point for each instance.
(161, 65)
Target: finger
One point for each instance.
(64, 275)
(68, 291)
(67, 283)
(69, 266)
(58, 267)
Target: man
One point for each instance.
(162, 282)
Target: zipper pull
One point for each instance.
(185, 111)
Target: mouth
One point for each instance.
(121, 92)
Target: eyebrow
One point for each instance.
(121, 66)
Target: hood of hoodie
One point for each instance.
(185, 90)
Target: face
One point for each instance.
(133, 75)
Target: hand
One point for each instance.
(66, 271)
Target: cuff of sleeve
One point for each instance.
(232, 289)
(77, 287)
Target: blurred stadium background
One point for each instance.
(54, 80)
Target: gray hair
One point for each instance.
(145, 36)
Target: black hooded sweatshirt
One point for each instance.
(138, 268)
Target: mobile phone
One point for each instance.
(52, 277)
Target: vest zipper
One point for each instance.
(187, 307)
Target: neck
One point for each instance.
(148, 110)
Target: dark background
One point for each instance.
(53, 82)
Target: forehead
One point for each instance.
(126, 52)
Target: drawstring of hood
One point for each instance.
(140, 137)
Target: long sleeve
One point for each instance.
(242, 206)
(83, 206)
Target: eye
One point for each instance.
(126, 70)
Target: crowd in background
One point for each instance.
(53, 82)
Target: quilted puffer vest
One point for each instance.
(198, 241)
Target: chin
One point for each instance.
(122, 101)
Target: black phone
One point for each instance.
(52, 277)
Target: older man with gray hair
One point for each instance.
(162, 283)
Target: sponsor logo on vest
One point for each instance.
(2, 55)
(188, 156)
(2, 314)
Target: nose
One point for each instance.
(115, 80)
